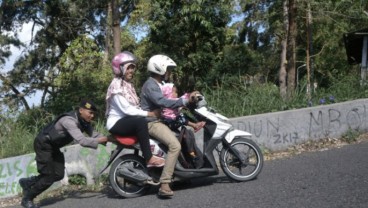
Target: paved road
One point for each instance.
(331, 178)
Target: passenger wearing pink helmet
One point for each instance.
(124, 116)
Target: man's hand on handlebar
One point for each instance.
(195, 96)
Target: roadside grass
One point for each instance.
(15, 139)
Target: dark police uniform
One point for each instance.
(65, 129)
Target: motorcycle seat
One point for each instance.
(126, 140)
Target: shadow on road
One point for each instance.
(176, 185)
(108, 192)
(76, 194)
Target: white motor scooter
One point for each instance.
(240, 158)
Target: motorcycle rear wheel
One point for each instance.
(233, 167)
(124, 187)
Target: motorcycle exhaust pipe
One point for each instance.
(135, 175)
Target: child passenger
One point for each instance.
(172, 118)
(169, 115)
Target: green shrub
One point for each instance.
(15, 139)
(34, 119)
(77, 180)
(350, 136)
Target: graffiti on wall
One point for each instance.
(12, 169)
(292, 129)
(325, 123)
(269, 128)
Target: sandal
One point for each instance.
(165, 193)
(201, 125)
(156, 162)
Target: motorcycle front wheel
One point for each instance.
(125, 187)
(242, 171)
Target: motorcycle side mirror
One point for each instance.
(212, 110)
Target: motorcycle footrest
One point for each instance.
(152, 182)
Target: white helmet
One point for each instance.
(158, 64)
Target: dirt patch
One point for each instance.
(320, 145)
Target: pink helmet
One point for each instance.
(120, 60)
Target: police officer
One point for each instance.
(65, 129)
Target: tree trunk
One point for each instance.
(116, 25)
(283, 61)
(16, 91)
(108, 35)
(291, 55)
(309, 43)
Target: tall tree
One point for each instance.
(291, 48)
(115, 24)
(283, 60)
(59, 23)
(82, 76)
(331, 19)
(256, 32)
(309, 49)
(192, 33)
(6, 42)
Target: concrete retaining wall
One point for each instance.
(280, 130)
(273, 131)
(78, 161)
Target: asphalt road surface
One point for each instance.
(330, 178)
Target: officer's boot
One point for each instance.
(27, 202)
(26, 184)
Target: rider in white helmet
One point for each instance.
(153, 99)
(159, 64)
